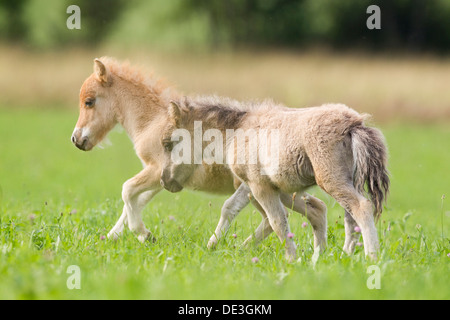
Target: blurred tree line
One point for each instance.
(410, 24)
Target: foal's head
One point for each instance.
(97, 104)
(184, 142)
(178, 148)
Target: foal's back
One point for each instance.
(302, 134)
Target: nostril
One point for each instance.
(73, 139)
(84, 141)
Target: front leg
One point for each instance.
(143, 199)
(230, 210)
(136, 193)
(269, 199)
(263, 230)
(313, 208)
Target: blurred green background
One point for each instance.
(406, 24)
(299, 52)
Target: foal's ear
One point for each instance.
(100, 71)
(175, 112)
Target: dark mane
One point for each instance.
(216, 114)
(220, 115)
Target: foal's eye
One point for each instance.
(168, 146)
(89, 103)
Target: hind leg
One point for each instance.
(361, 211)
(334, 169)
(315, 211)
(351, 237)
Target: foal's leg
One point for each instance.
(351, 237)
(334, 174)
(263, 230)
(361, 211)
(230, 210)
(117, 230)
(315, 211)
(269, 199)
(136, 192)
(143, 199)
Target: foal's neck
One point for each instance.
(139, 105)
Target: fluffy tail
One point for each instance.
(369, 165)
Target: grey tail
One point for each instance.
(370, 165)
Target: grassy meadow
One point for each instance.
(58, 203)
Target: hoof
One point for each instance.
(112, 235)
(307, 199)
(248, 242)
(147, 236)
(212, 243)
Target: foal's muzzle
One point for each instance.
(81, 141)
(80, 144)
(171, 185)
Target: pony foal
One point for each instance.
(328, 145)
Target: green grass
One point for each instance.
(57, 203)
